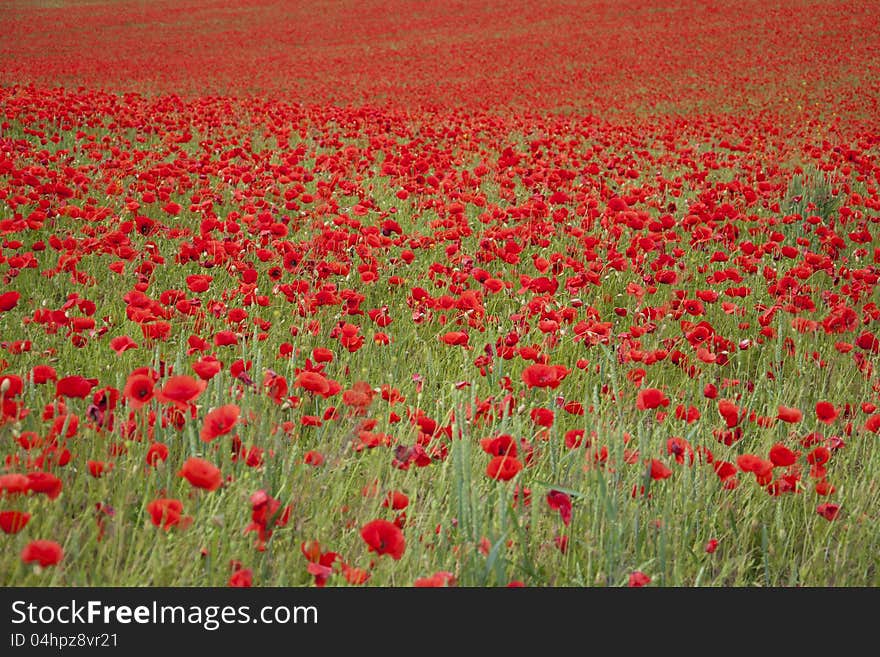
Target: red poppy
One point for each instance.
(819, 456)
(313, 382)
(75, 387)
(638, 579)
(166, 513)
(826, 412)
(9, 300)
(544, 376)
(500, 445)
(43, 373)
(824, 487)
(207, 368)
(356, 576)
(181, 390)
(198, 282)
(782, 456)
(659, 470)
(711, 545)
(503, 468)
(650, 398)
(828, 511)
(396, 500)
(322, 355)
(45, 483)
(869, 342)
(384, 537)
(680, 448)
(243, 578)
(12, 522)
(360, 396)
(44, 552)
(201, 473)
(156, 453)
(730, 412)
(122, 343)
(543, 417)
(138, 390)
(753, 463)
(13, 484)
(561, 502)
(458, 338)
(314, 458)
(791, 415)
(320, 563)
(574, 438)
(219, 422)
(98, 468)
(437, 580)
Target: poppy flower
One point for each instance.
(266, 513)
(500, 445)
(9, 300)
(384, 537)
(826, 412)
(396, 500)
(869, 342)
(314, 458)
(651, 398)
(98, 468)
(243, 578)
(437, 580)
(219, 422)
(181, 390)
(356, 576)
(44, 552)
(659, 470)
(790, 415)
(201, 473)
(45, 483)
(503, 468)
(360, 396)
(711, 546)
(74, 386)
(561, 502)
(138, 390)
(680, 448)
(207, 368)
(782, 456)
(544, 376)
(754, 464)
(42, 373)
(157, 453)
(543, 417)
(458, 338)
(638, 579)
(819, 456)
(730, 412)
(322, 355)
(828, 511)
(122, 343)
(198, 282)
(12, 522)
(166, 513)
(13, 484)
(313, 382)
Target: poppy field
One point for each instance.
(532, 292)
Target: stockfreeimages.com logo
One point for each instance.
(210, 617)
